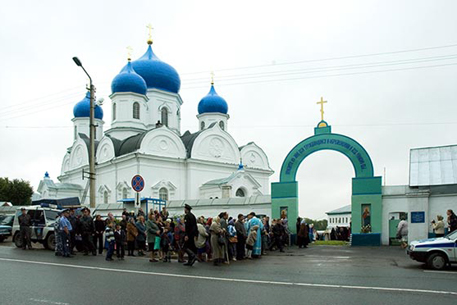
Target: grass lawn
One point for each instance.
(330, 243)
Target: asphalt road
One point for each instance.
(318, 275)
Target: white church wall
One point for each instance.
(163, 142)
(254, 157)
(159, 99)
(209, 118)
(200, 172)
(79, 156)
(105, 151)
(65, 163)
(214, 144)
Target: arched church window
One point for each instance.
(164, 112)
(114, 112)
(136, 110)
(202, 125)
(222, 125)
(76, 131)
(163, 194)
(124, 193)
(240, 193)
(105, 197)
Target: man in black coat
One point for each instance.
(87, 231)
(241, 237)
(191, 232)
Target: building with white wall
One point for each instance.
(145, 138)
(339, 218)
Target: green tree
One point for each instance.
(318, 224)
(18, 192)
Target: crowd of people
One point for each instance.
(219, 239)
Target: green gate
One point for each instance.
(366, 198)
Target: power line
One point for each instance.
(330, 58)
(330, 68)
(330, 75)
(273, 126)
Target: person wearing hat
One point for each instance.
(65, 229)
(25, 221)
(191, 232)
(252, 222)
(87, 232)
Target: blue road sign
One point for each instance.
(137, 183)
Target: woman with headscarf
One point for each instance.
(132, 233)
(180, 233)
(216, 247)
(438, 226)
(141, 237)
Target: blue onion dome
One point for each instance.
(157, 73)
(128, 81)
(212, 102)
(82, 109)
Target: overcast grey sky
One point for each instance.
(273, 61)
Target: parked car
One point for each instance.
(42, 226)
(437, 253)
(6, 227)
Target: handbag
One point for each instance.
(221, 240)
(233, 239)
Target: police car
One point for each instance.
(42, 229)
(437, 253)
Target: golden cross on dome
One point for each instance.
(322, 102)
(150, 28)
(212, 77)
(129, 52)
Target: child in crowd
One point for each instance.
(109, 237)
(252, 237)
(119, 236)
(165, 243)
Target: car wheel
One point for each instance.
(50, 242)
(437, 261)
(17, 240)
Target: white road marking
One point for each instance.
(438, 271)
(441, 292)
(48, 302)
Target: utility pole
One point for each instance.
(91, 136)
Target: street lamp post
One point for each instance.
(91, 136)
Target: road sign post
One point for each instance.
(138, 186)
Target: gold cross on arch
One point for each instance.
(322, 102)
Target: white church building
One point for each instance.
(145, 138)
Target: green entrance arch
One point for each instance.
(366, 188)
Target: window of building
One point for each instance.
(136, 110)
(240, 193)
(105, 197)
(339, 220)
(124, 193)
(202, 125)
(165, 116)
(221, 124)
(114, 112)
(163, 194)
(76, 131)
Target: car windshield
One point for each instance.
(6, 220)
(452, 235)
